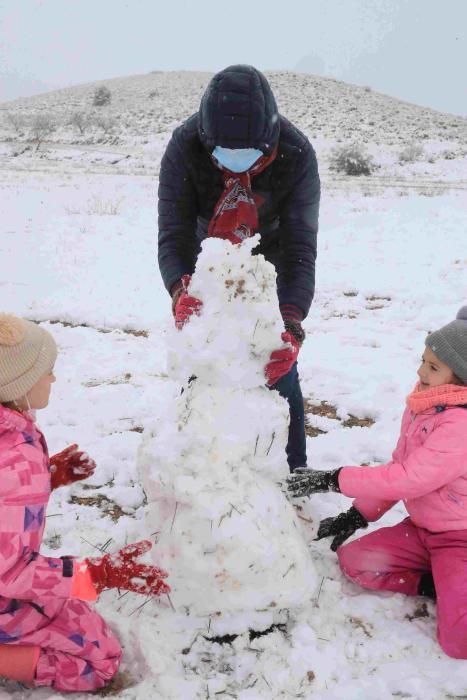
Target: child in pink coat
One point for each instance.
(49, 635)
(425, 554)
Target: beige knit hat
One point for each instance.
(27, 352)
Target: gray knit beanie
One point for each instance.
(450, 344)
(27, 352)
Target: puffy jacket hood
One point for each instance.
(238, 110)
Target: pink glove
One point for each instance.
(282, 360)
(70, 465)
(121, 570)
(184, 305)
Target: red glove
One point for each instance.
(70, 465)
(283, 359)
(120, 570)
(184, 305)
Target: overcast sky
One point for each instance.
(412, 49)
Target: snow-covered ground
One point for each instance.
(77, 247)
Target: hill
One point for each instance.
(144, 106)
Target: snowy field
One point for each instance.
(77, 251)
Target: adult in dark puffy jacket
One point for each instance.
(235, 168)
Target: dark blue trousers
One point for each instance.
(288, 386)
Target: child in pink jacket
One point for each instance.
(48, 633)
(425, 554)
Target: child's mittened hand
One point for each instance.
(120, 570)
(341, 526)
(304, 481)
(70, 465)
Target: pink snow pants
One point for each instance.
(394, 558)
(78, 650)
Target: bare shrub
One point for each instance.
(105, 123)
(72, 211)
(16, 120)
(352, 159)
(104, 207)
(411, 153)
(448, 155)
(42, 126)
(80, 121)
(102, 96)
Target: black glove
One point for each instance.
(304, 481)
(342, 526)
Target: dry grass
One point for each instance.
(104, 207)
(327, 410)
(350, 315)
(359, 624)
(322, 409)
(376, 302)
(354, 422)
(313, 431)
(124, 379)
(128, 331)
(104, 503)
(121, 681)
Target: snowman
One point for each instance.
(212, 463)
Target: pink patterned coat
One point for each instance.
(78, 651)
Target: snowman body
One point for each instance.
(213, 462)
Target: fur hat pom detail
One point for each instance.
(12, 330)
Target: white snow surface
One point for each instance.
(77, 252)
(225, 530)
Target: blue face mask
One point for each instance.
(237, 160)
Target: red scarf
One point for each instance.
(236, 213)
(444, 395)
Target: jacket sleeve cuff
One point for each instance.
(291, 312)
(341, 481)
(372, 508)
(83, 586)
(176, 288)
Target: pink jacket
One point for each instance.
(428, 471)
(24, 493)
